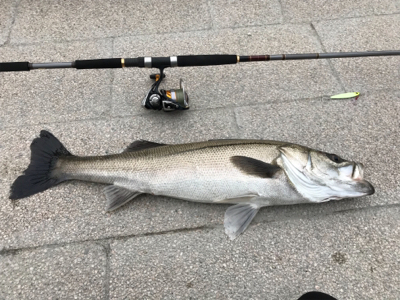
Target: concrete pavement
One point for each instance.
(62, 244)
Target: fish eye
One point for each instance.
(335, 158)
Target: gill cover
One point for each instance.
(300, 174)
(319, 177)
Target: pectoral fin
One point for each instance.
(117, 196)
(255, 167)
(238, 217)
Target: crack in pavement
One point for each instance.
(107, 240)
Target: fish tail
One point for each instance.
(39, 176)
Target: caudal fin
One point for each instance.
(38, 177)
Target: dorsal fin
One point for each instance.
(141, 145)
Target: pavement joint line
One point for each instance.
(283, 18)
(333, 70)
(274, 102)
(14, 15)
(106, 118)
(211, 12)
(227, 107)
(92, 39)
(349, 210)
(235, 120)
(112, 74)
(108, 240)
(254, 26)
(95, 119)
(332, 213)
(205, 30)
(190, 111)
(348, 18)
(112, 46)
(61, 41)
(15, 251)
(232, 106)
(390, 14)
(60, 81)
(107, 276)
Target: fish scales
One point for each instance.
(197, 171)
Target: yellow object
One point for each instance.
(345, 95)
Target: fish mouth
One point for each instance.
(361, 186)
(366, 188)
(371, 189)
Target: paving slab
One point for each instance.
(43, 96)
(75, 211)
(364, 130)
(351, 256)
(70, 272)
(82, 20)
(313, 10)
(233, 85)
(236, 13)
(364, 34)
(7, 11)
(55, 244)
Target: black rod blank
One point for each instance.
(182, 61)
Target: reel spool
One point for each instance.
(166, 100)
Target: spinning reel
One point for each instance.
(167, 100)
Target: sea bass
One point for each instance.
(247, 173)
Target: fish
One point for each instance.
(248, 174)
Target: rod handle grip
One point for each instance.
(206, 60)
(14, 66)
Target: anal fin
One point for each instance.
(238, 217)
(117, 196)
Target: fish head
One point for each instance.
(320, 176)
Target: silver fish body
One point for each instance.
(200, 172)
(248, 173)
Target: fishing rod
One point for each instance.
(177, 99)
